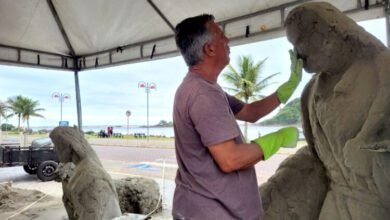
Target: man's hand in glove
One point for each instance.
(285, 91)
(270, 143)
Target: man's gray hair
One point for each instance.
(191, 35)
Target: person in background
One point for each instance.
(216, 178)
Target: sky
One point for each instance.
(106, 94)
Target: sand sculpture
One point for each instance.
(344, 172)
(138, 195)
(89, 193)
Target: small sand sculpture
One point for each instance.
(89, 193)
(344, 172)
(138, 195)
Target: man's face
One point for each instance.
(220, 44)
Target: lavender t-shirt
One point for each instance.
(204, 115)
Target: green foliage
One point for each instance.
(7, 127)
(248, 81)
(43, 131)
(24, 108)
(164, 123)
(290, 114)
(90, 132)
(4, 108)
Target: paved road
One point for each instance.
(149, 161)
(120, 162)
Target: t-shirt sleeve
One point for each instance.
(235, 104)
(213, 118)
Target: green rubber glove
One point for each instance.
(270, 143)
(285, 91)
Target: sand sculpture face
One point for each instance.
(67, 143)
(325, 38)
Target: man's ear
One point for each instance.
(209, 49)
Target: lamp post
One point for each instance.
(147, 86)
(61, 97)
(128, 113)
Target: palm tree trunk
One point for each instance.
(19, 122)
(246, 125)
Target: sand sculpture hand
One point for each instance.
(270, 143)
(285, 91)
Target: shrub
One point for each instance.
(7, 127)
(90, 132)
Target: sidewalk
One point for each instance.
(143, 143)
(164, 144)
(132, 142)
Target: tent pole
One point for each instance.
(78, 100)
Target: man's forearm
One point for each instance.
(254, 111)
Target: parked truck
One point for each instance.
(40, 158)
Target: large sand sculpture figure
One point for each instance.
(344, 172)
(89, 192)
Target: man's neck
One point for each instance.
(206, 72)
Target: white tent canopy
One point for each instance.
(77, 35)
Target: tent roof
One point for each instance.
(99, 33)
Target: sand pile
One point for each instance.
(18, 203)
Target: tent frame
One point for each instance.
(77, 62)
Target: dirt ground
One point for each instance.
(28, 198)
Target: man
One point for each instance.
(216, 177)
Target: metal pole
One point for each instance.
(61, 100)
(128, 125)
(78, 100)
(147, 110)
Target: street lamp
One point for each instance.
(128, 113)
(61, 97)
(147, 86)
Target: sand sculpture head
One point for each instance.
(326, 39)
(70, 144)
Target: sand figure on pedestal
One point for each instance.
(89, 194)
(344, 172)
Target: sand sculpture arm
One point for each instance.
(97, 201)
(298, 188)
(374, 134)
(307, 130)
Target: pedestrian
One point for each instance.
(216, 178)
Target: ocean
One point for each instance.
(254, 131)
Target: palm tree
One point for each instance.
(3, 111)
(16, 104)
(248, 82)
(31, 109)
(24, 108)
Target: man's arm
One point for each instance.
(258, 109)
(231, 156)
(254, 111)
